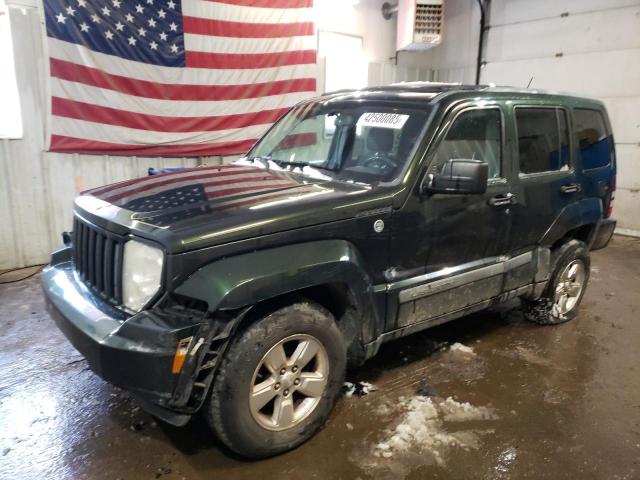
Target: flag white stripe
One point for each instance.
(177, 76)
(239, 13)
(172, 108)
(230, 45)
(100, 132)
(185, 179)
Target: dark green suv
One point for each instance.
(243, 291)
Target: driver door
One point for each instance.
(471, 228)
(464, 234)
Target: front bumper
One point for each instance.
(133, 352)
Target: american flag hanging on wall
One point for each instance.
(175, 78)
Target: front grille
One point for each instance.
(97, 257)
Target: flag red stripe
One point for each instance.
(66, 144)
(112, 116)
(163, 91)
(248, 60)
(268, 3)
(221, 170)
(252, 176)
(298, 140)
(221, 28)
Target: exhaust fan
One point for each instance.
(419, 24)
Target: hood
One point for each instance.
(205, 206)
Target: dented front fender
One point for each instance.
(250, 278)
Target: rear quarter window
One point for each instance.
(593, 138)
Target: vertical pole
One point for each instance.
(483, 5)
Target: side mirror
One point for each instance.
(458, 176)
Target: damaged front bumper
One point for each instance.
(134, 352)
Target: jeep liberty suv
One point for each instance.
(243, 291)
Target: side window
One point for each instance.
(475, 134)
(543, 139)
(592, 137)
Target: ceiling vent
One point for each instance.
(419, 24)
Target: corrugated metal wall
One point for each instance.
(37, 188)
(387, 73)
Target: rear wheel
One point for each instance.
(278, 381)
(561, 298)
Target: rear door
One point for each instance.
(544, 180)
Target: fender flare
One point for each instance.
(583, 212)
(246, 279)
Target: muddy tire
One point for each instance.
(559, 303)
(278, 381)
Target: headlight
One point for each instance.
(142, 272)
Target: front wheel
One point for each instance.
(278, 381)
(561, 298)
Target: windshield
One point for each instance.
(354, 142)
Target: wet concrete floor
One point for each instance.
(543, 402)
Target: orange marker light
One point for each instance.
(181, 354)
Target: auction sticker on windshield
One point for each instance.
(384, 120)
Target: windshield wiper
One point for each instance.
(263, 160)
(280, 163)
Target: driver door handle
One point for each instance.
(502, 200)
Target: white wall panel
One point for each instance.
(598, 74)
(526, 11)
(387, 73)
(628, 167)
(625, 207)
(606, 30)
(624, 113)
(454, 75)
(362, 18)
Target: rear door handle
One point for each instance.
(571, 188)
(502, 200)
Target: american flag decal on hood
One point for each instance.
(171, 77)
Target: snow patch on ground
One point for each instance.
(453, 411)
(424, 429)
(360, 389)
(383, 410)
(458, 347)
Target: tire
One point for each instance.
(549, 309)
(256, 432)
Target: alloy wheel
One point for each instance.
(569, 287)
(289, 382)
